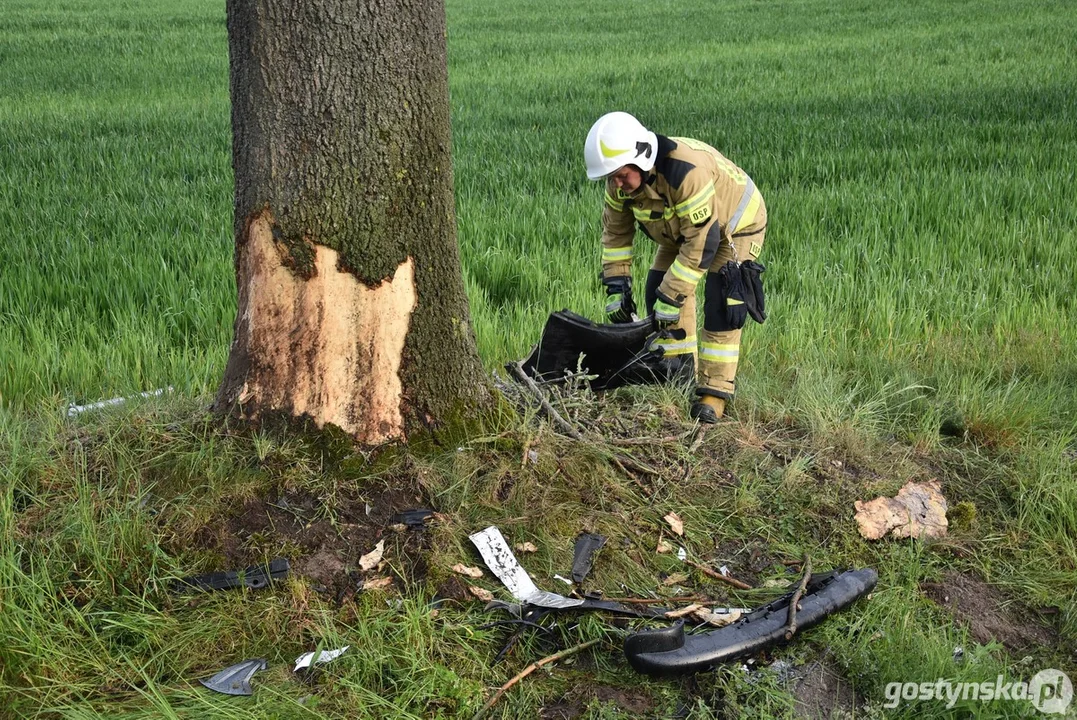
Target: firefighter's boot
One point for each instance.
(707, 409)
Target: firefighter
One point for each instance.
(708, 220)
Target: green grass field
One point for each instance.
(917, 160)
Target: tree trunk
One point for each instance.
(351, 301)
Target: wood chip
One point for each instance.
(471, 572)
(527, 547)
(372, 558)
(675, 523)
(716, 619)
(377, 583)
(917, 511)
(481, 593)
(686, 610)
(675, 579)
(664, 547)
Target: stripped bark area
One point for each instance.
(352, 308)
(327, 347)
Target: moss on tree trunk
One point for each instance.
(341, 153)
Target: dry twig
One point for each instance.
(530, 669)
(791, 629)
(629, 474)
(644, 441)
(719, 576)
(700, 437)
(518, 371)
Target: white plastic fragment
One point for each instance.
(724, 570)
(307, 659)
(565, 580)
(73, 409)
(682, 554)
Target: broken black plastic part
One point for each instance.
(644, 611)
(534, 613)
(414, 518)
(617, 354)
(254, 577)
(587, 544)
(670, 651)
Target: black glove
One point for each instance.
(619, 304)
(733, 294)
(753, 289)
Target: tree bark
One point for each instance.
(351, 301)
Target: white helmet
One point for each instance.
(615, 140)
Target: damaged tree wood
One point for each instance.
(351, 305)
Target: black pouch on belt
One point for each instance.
(734, 295)
(753, 289)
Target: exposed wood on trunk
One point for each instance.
(327, 347)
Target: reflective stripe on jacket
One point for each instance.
(691, 199)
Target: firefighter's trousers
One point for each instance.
(718, 349)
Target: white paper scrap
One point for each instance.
(499, 558)
(307, 659)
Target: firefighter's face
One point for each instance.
(628, 179)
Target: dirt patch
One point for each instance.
(453, 588)
(562, 710)
(987, 614)
(323, 539)
(750, 562)
(821, 693)
(323, 567)
(636, 703)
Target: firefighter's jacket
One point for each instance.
(691, 199)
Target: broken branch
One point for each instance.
(518, 371)
(648, 442)
(719, 576)
(791, 629)
(530, 669)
